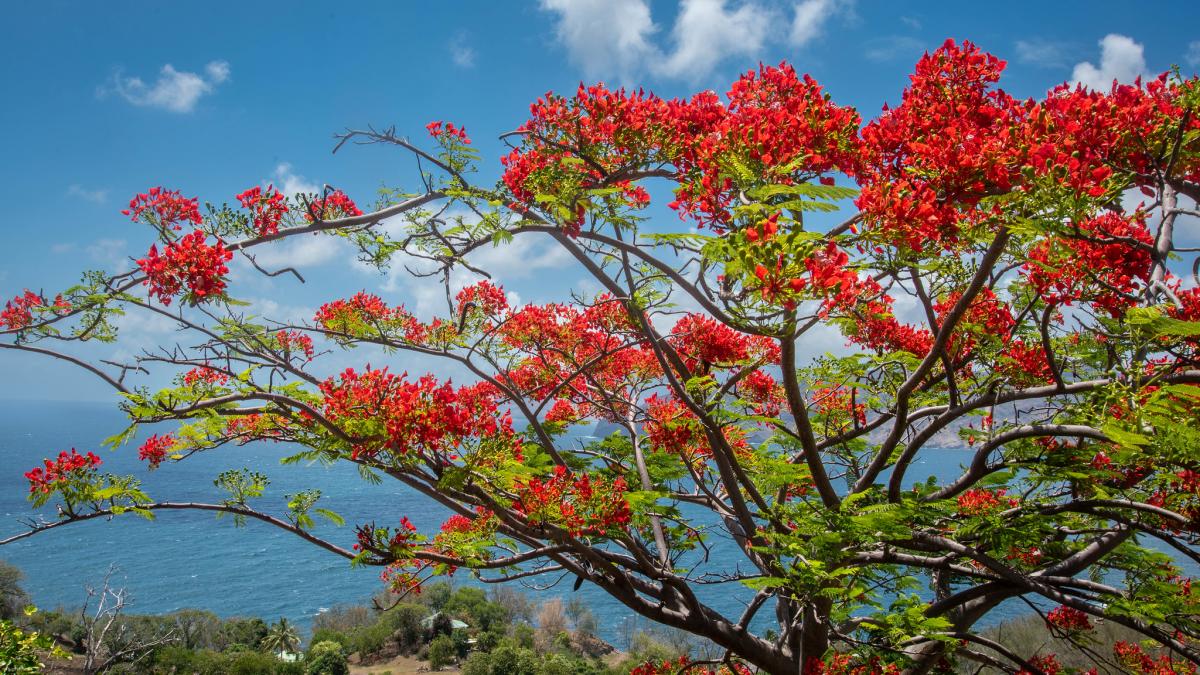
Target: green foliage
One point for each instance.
(442, 652)
(326, 658)
(21, 650)
(13, 598)
(281, 637)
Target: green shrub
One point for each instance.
(252, 663)
(510, 659)
(330, 635)
(20, 650)
(404, 623)
(368, 639)
(441, 652)
(327, 658)
(478, 663)
(523, 633)
(289, 668)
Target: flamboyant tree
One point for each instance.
(1008, 270)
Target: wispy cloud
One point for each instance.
(303, 250)
(94, 196)
(291, 183)
(809, 19)
(461, 52)
(175, 90)
(1192, 56)
(605, 37)
(1121, 59)
(110, 253)
(893, 47)
(707, 32)
(1041, 53)
(617, 38)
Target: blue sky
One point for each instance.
(107, 99)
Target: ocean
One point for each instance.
(195, 560)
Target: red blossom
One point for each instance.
(267, 208)
(393, 414)
(1068, 619)
(979, 502)
(18, 312)
(165, 209)
(705, 343)
(188, 263)
(439, 129)
(579, 502)
(293, 342)
(69, 466)
(1104, 261)
(334, 205)
(155, 449)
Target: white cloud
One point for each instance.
(304, 250)
(893, 47)
(94, 196)
(176, 91)
(524, 256)
(1121, 59)
(307, 250)
(109, 252)
(809, 20)
(1193, 54)
(605, 37)
(706, 32)
(461, 53)
(1040, 53)
(291, 183)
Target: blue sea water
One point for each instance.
(186, 560)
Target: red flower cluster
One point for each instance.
(188, 263)
(155, 449)
(1103, 260)
(878, 329)
(1133, 657)
(293, 342)
(760, 388)
(845, 664)
(782, 127)
(68, 466)
(986, 318)
(680, 667)
(1068, 619)
(839, 406)
(779, 126)
(481, 299)
(334, 205)
(203, 375)
(551, 343)
(1077, 135)
(952, 141)
(18, 312)
(982, 501)
(394, 414)
(670, 427)
(267, 208)
(164, 209)
(366, 313)
(705, 343)
(1024, 364)
(438, 129)
(1047, 663)
(578, 502)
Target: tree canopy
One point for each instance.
(1012, 273)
